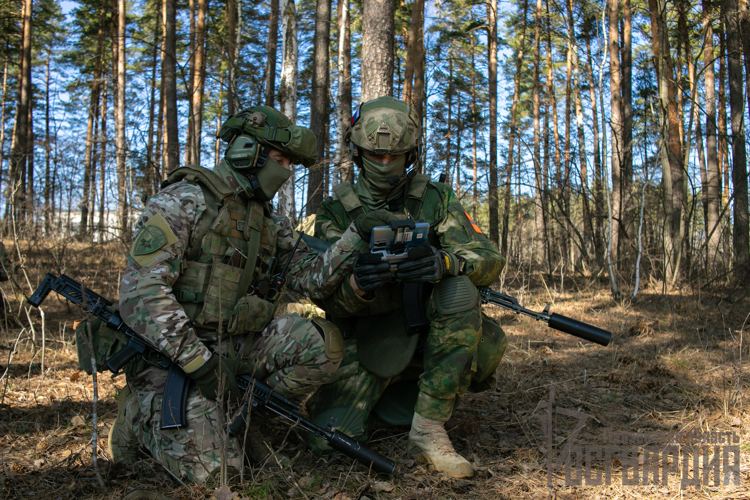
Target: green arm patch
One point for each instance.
(155, 235)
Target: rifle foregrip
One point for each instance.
(370, 458)
(579, 329)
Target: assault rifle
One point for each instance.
(557, 321)
(177, 385)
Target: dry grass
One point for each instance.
(677, 362)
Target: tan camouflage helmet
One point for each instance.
(273, 129)
(384, 126)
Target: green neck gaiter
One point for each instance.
(270, 178)
(374, 186)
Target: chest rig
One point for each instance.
(229, 249)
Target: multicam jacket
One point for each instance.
(451, 229)
(190, 248)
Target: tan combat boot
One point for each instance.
(429, 442)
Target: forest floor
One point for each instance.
(678, 362)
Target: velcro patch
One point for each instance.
(155, 235)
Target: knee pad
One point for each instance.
(332, 338)
(455, 294)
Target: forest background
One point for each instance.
(600, 146)
(583, 137)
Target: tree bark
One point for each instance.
(492, 81)
(189, 84)
(151, 172)
(102, 161)
(740, 235)
(231, 49)
(199, 79)
(627, 212)
(512, 133)
(342, 163)
(120, 145)
(272, 48)
(598, 195)
(169, 88)
(319, 103)
(377, 49)
(713, 173)
(616, 135)
(538, 252)
(288, 94)
(672, 169)
(21, 149)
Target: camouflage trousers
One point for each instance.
(450, 354)
(288, 355)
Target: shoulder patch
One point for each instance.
(155, 235)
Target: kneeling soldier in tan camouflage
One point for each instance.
(200, 252)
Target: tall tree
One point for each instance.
(627, 227)
(492, 81)
(273, 40)
(288, 94)
(342, 163)
(377, 49)
(120, 144)
(740, 235)
(233, 7)
(21, 149)
(198, 83)
(616, 135)
(671, 150)
(512, 133)
(539, 203)
(713, 174)
(319, 103)
(93, 112)
(169, 87)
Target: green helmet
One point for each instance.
(384, 126)
(264, 126)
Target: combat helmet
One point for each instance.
(251, 129)
(384, 126)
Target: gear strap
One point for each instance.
(349, 200)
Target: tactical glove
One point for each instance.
(366, 223)
(370, 272)
(427, 263)
(207, 377)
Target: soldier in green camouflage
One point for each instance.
(407, 375)
(196, 288)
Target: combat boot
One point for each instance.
(122, 442)
(429, 443)
(258, 445)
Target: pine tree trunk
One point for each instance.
(103, 161)
(192, 70)
(449, 98)
(492, 81)
(120, 145)
(319, 103)
(342, 164)
(199, 79)
(47, 159)
(740, 236)
(627, 227)
(150, 174)
(2, 127)
(712, 190)
(169, 88)
(21, 149)
(273, 41)
(538, 251)
(419, 63)
(288, 95)
(377, 50)
(722, 119)
(598, 195)
(231, 48)
(512, 133)
(672, 170)
(616, 136)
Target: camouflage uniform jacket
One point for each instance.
(451, 229)
(148, 303)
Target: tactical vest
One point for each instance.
(234, 240)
